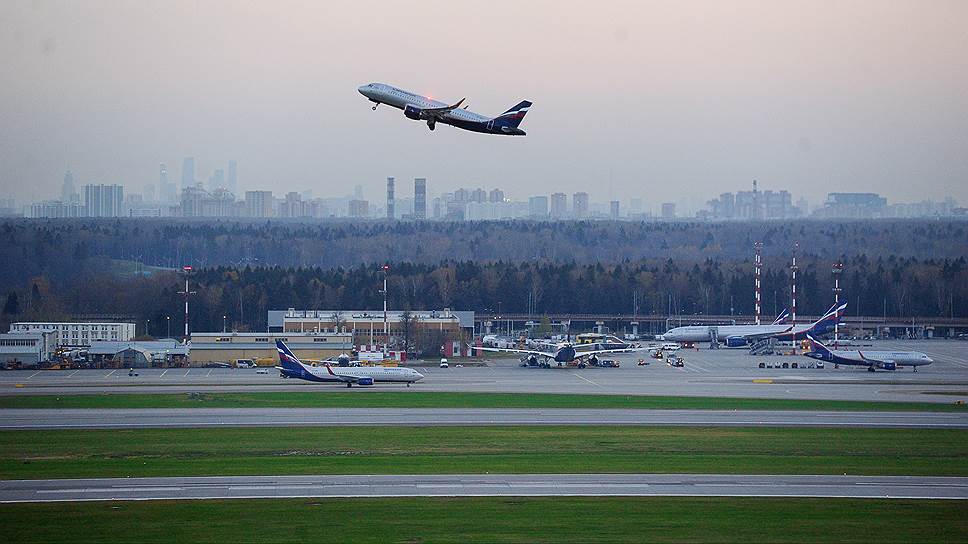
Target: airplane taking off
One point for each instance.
(421, 108)
(563, 354)
(742, 335)
(292, 367)
(885, 360)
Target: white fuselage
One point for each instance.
(864, 358)
(701, 333)
(399, 98)
(378, 373)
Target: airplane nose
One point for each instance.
(420, 376)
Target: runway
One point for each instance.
(714, 373)
(490, 485)
(11, 419)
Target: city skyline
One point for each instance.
(628, 97)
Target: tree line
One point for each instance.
(895, 286)
(59, 248)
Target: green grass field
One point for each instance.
(384, 399)
(427, 450)
(492, 520)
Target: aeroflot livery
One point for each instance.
(742, 335)
(421, 108)
(873, 360)
(292, 367)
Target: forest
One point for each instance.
(63, 269)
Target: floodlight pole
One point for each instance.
(386, 323)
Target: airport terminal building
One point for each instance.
(78, 334)
(260, 347)
(26, 349)
(366, 327)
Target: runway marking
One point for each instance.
(109, 373)
(34, 374)
(163, 373)
(209, 373)
(186, 372)
(586, 379)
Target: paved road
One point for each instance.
(712, 485)
(276, 417)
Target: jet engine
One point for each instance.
(593, 360)
(412, 112)
(735, 341)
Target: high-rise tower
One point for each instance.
(391, 202)
(420, 198)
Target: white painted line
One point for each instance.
(586, 379)
(209, 373)
(186, 372)
(34, 374)
(72, 373)
(163, 373)
(109, 373)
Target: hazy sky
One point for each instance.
(661, 100)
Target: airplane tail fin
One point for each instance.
(513, 117)
(782, 318)
(833, 316)
(287, 359)
(817, 346)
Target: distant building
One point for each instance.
(580, 205)
(420, 198)
(68, 191)
(8, 207)
(668, 210)
(258, 204)
(26, 349)
(559, 205)
(72, 334)
(496, 195)
(167, 192)
(613, 210)
(852, 206)
(53, 209)
(197, 202)
(188, 172)
(103, 200)
(477, 195)
(141, 354)
(216, 180)
(538, 207)
(216, 347)
(366, 326)
(391, 201)
(359, 208)
(232, 182)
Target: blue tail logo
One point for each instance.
(287, 359)
(513, 117)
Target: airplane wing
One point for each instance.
(437, 112)
(525, 351)
(877, 362)
(580, 354)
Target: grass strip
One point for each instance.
(492, 520)
(505, 449)
(340, 398)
